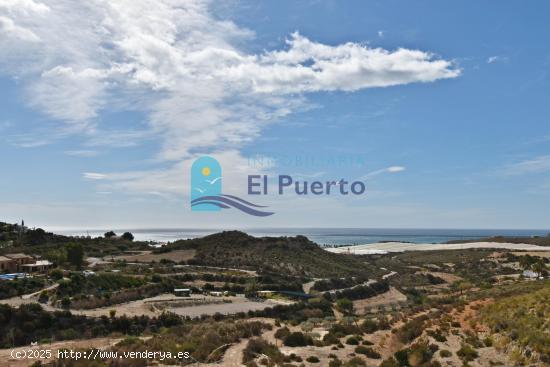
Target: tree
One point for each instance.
(345, 306)
(36, 236)
(56, 274)
(128, 236)
(66, 302)
(282, 333)
(462, 286)
(539, 267)
(75, 255)
(251, 289)
(110, 234)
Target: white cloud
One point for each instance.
(94, 176)
(391, 169)
(394, 169)
(188, 71)
(7, 26)
(493, 59)
(539, 164)
(173, 179)
(23, 6)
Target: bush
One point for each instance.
(467, 353)
(43, 298)
(345, 306)
(56, 274)
(355, 362)
(298, 339)
(330, 338)
(390, 362)
(18, 287)
(259, 346)
(437, 335)
(412, 329)
(156, 278)
(418, 354)
(369, 326)
(127, 236)
(444, 353)
(352, 340)
(312, 359)
(282, 333)
(369, 352)
(66, 302)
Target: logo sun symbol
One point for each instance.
(206, 171)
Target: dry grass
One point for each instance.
(148, 256)
(393, 296)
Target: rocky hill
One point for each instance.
(286, 255)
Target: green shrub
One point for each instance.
(298, 339)
(467, 353)
(437, 335)
(330, 338)
(43, 298)
(312, 359)
(56, 274)
(412, 329)
(418, 354)
(66, 302)
(355, 362)
(259, 346)
(390, 362)
(282, 333)
(369, 326)
(369, 352)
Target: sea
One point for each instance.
(323, 236)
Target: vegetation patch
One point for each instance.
(523, 319)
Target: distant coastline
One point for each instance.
(387, 247)
(330, 237)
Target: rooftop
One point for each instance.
(39, 263)
(17, 256)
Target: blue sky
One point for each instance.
(99, 127)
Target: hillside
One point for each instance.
(284, 255)
(522, 320)
(18, 238)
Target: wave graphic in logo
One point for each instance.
(206, 190)
(230, 201)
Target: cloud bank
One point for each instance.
(187, 70)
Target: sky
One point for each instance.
(440, 108)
